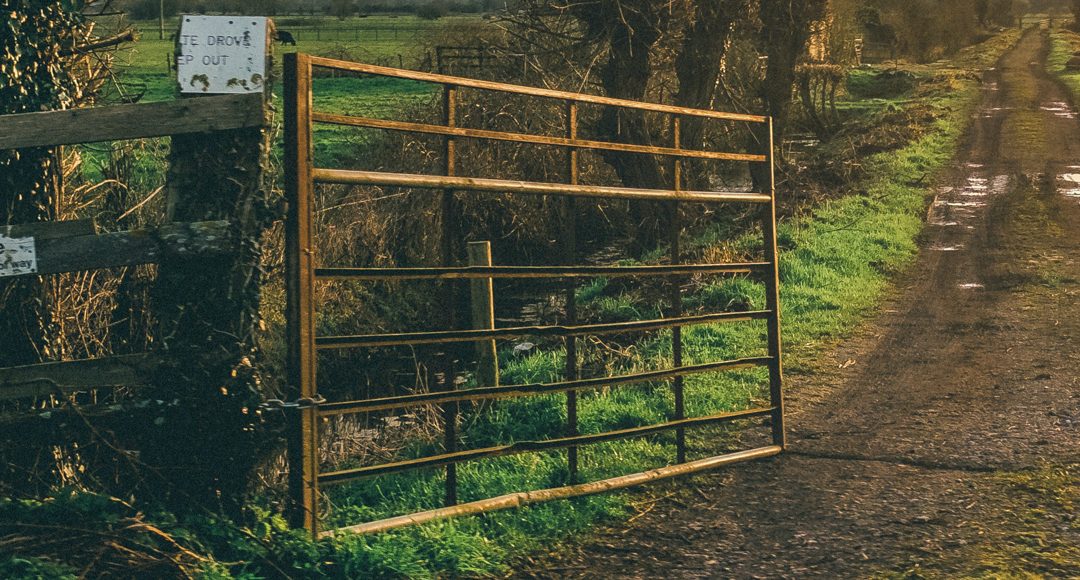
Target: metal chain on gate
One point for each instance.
(301, 403)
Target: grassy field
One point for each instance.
(377, 39)
(142, 67)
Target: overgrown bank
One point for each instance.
(1065, 45)
(836, 263)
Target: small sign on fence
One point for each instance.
(18, 256)
(221, 54)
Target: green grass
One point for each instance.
(1063, 44)
(378, 97)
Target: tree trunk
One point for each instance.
(699, 65)
(786, 30)
(207, 313)
(630, 28)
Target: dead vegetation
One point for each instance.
(99, 537)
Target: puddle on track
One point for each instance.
(977, 184)
(957, 205)
(993, 112)
(1000, 184)
(1068, 184)
(1059, 109)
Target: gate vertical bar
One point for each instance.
(449, 237)
(303, 446)
(675, 229)
(569, 250)
(772, 298)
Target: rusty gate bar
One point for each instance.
(522, 272)
(570, 257)
(353, 177)
(524, 498)
(573, 142)
(674, 236)
(449, 235)
(532, 446)
(449, 336)
(772, 299)
(511, 391)
(438, 79)
(302, 273)
(303, 442)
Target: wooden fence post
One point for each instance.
(483, 315)
(207, 310)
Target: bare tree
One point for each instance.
(699, 64)
(785, 32)
(635, 46)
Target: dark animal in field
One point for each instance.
(1073, 64)
(285, 37)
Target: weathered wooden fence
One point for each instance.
(71, 246)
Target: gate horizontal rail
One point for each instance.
(131, 121)
(438, 79)
(427, 129)
(452, 336)
(531, 446)
(306, 477)
(511, 391)
(352, 177)
(525, 272)
(524, 498)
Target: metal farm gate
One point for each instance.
(303, 271)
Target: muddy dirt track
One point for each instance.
(943, 445)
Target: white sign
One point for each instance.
(221, 54)
(17, 256)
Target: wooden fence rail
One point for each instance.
(77, 245)
(58, 253)
(135, 121)
(68, 377)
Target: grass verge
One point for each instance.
(1064, 44)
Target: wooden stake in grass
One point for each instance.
(483, 315)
